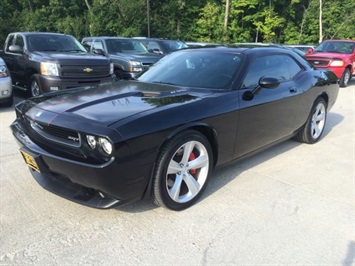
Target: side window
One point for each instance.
(87, 45)
(10, 42)
(292, 66)
(281, 67)
(98, 45)
(19, 41)
(153, 45)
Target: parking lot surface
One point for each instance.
(293, 204)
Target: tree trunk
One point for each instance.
(320, 22)
(226, 15)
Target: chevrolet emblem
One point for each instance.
(87, 69)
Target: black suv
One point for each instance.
(41, 62)
(161, 46)
(129, 56)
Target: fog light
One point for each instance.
(5, 92)
(54, 88)
(105, 145)
(91, 141)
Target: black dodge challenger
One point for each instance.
(162, 134)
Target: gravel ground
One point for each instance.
(290, 205)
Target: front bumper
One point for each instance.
(5, 88)
(49, 83)
(99, 186)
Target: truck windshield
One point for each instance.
(55, 43)
(172, 45)
(336, 47)
(115, 46)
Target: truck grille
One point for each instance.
(57, 134)
(89, 71)
(316, 62)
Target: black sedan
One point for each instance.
(162, 134)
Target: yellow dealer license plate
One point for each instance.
(30, 161)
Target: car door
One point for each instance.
(17, 60)
(267, 115)
(21, 60)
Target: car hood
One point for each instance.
(108, 103)
(144, 58)
(316, 55)
(78, 58)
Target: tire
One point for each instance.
(119, 74)
(314, 127)
(9, 102)
(345, 78)
(177, 184)
(34, 86)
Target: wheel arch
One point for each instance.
(29, 73)
(325, 96)
(204, 129)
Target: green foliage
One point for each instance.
(278, 21)
(209, 24)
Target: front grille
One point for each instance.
(57, 134)
(146, 65)
(87, 71)
(318, 62)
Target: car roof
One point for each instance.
(105, 38)
(155, 39)
(256, 50)
(41, 33)
(338, 41)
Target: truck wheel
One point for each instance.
(118, 73)
(35, 87)
(9, 102)
(344, 81)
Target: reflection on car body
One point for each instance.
(160, 136)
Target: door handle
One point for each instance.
(293, 90)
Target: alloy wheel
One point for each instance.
(187, 172)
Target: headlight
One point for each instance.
(91, 140)
(337, 63)
(105, 145)
(3, 71)
(49, 69)
(136, 66)
(99, 144)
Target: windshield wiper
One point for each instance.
(71, 51)
(47, 50)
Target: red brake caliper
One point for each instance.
(192, 157)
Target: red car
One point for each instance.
(337, 55)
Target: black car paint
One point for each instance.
(139, 118)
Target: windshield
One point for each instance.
(172, 46)
(201, 69)
(336, 47)
(56, 43)
(115, 46)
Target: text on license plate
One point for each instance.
(30, 161)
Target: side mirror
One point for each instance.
(268, 82)
(310, 50)
(156, 51)
(16, 49)
(264, 82)
(99, 51)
